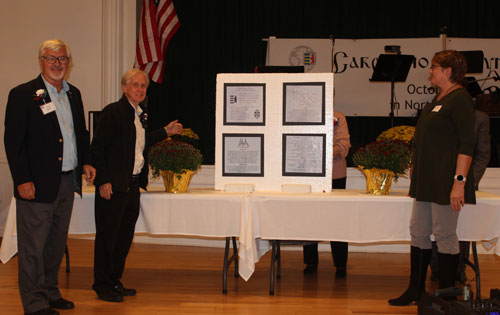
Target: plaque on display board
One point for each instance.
(245, 104)
(243, 154)
(304, 155)
(304, 103)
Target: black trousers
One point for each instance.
(339, 249)
(115, 226)
(339, 253)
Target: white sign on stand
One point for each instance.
(274, 131)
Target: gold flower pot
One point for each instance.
(176, 182)
(378, 181)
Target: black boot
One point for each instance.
(434, 263)
(419, 262)
(448, 265)
(462, 260)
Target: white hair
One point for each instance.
(132, 72)
(55, 45)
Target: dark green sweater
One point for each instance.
(440, 136)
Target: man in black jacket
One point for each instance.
(47, 146)
(119, 154)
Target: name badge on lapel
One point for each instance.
(437, 108)
(48, 108)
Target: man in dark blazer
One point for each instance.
(47, 148)
(120, 155)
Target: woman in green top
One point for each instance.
(441, 178)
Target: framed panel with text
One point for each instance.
(304, 155)
(243, 154)
(245, 104)
(303, 103)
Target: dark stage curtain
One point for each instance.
(225, 36)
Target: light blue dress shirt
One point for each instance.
(65, 119)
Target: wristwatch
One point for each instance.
(460, 178)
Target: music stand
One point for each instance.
(392, 68)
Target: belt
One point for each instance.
(67, 172)
(135, 177)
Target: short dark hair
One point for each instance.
(454, 60)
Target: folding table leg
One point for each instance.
(235, 255)
(476, 269)
(278, 258)
(273, 258)
(225, 266)
(228, 261)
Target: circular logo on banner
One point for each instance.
(303, 56)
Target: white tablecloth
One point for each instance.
(205, 213)
(356, 217)
(343, 215)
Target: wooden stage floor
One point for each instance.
(188, 280)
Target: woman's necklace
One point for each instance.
(447, 91)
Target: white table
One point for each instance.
(348, 215)
(353, 216)
(205, 213)
(356, 217)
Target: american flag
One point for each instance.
(159, 23)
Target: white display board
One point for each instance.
(274, 130)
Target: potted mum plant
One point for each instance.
(188, 136)
(176, 161)
(381, 161)
(404, 133)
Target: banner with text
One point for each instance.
(354, 61)
(490, 77)
(356, 95)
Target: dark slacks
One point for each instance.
(339, 249)
(42, 232)
(339, 254)
(115, 225)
